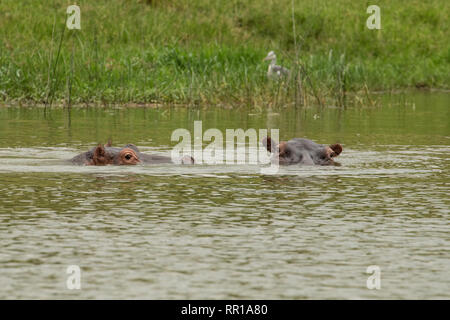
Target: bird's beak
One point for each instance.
(266, 58)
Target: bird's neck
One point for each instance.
(273, 61)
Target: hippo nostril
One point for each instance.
(128, 156)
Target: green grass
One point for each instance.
(210, 52)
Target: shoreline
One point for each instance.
(155, 105)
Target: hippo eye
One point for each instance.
(128, 156)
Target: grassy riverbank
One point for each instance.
(200, 51)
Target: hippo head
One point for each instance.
(302, 151)
(102, 156)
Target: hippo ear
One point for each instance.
(269, 144)
(99, 157)
(109, 144)
(99, 151)
(282, 149)
(337, 148)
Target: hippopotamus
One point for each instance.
(102, 155)
(302, 151)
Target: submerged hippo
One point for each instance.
(127, 155)
(302, 151)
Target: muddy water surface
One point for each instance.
(212, 232)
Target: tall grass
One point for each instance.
(203, 52)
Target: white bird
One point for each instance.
(275, 71)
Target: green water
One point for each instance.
(228, 231)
